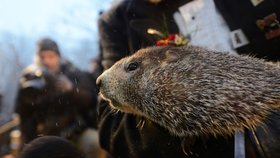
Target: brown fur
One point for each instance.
(193, 91)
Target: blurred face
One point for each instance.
(50, 60)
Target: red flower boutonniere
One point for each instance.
(173, 39)
(170, 39)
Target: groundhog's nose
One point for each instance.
(98, 82)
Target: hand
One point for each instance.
(63, 83)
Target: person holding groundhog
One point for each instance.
(135, 24)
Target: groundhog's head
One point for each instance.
(192, 91)
(126, 83)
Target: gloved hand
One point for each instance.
(63, 83)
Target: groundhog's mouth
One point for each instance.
(115, 105)
(104, 96)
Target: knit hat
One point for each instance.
(50, 147)
(47, 44)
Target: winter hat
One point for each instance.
(50, 147)
(47, 44)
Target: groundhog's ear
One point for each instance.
(171, 56)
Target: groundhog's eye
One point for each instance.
(132, 67)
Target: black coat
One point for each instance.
(242, 14)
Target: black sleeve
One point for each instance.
(113, 37)
(124, 135)
(24, 108)
(85, 96)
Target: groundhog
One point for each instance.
(192, 91)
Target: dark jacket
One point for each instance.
(242, 14)
(45, 110)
